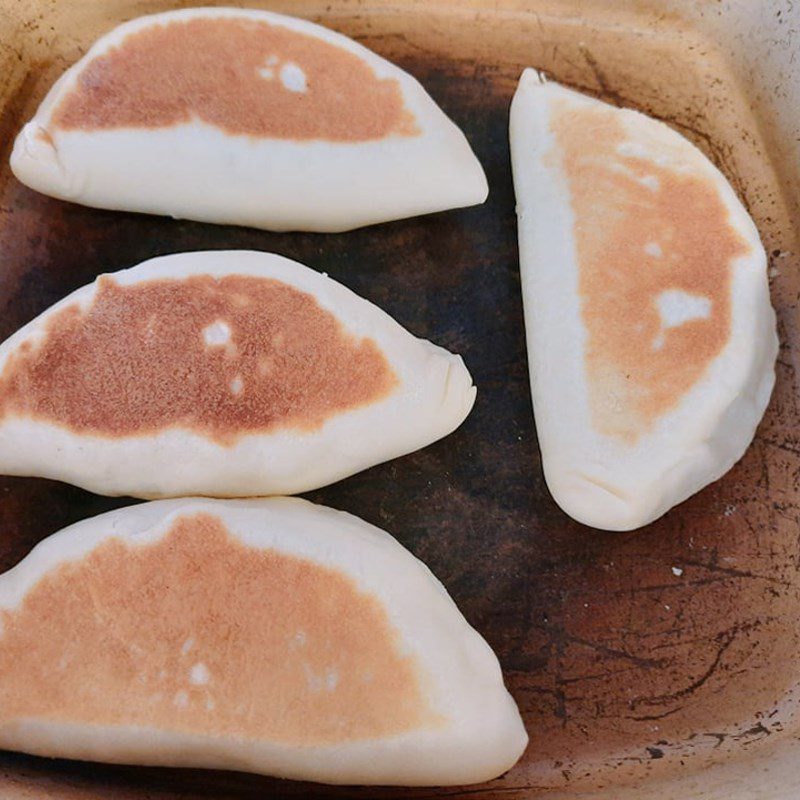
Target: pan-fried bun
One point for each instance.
(272, 636)
(651, 337)
(245, 117)
(225, 373)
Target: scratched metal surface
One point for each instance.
(634, 657)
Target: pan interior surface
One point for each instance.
(664, 658)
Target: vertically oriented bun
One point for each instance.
(221, 373)
(651, 337)
(245, 117)
(273, 636)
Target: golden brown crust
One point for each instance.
(233, 74)
(220, 357)
(199, 633)
(641, 229)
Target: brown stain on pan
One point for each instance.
(645, 233)
(241, 76)
(199, 633)
(221, 357)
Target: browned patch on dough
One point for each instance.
(636, 369)
(227, 72)
(200, 633)
(138, 361)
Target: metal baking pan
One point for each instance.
(658, 663)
